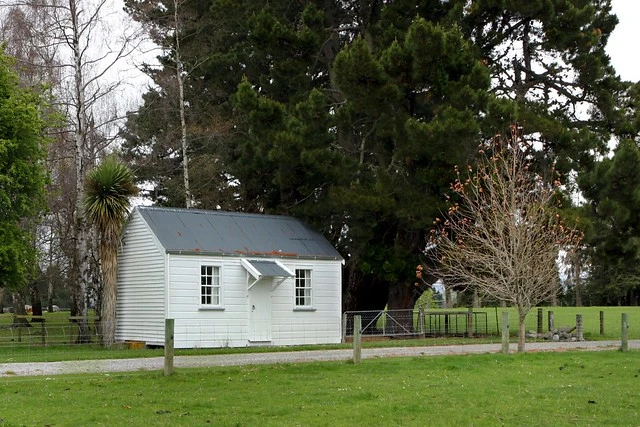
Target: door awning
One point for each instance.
(261, 269)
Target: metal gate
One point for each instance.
(412, 323)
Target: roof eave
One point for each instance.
(252, 255)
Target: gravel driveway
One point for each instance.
(157, 363)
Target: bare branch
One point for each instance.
(503, 231)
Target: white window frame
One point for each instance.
(303, 295)
(211, 279)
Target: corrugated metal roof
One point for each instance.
(269, 268)
(235, 234)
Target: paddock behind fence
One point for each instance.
(37, 330)
(419, 323)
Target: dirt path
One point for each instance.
(157, 363)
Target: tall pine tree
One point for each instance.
(351, 115)
(613, 213)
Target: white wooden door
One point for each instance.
(260, 312)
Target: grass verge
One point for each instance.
(570, 388)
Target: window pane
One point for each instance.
(303, 288)
(209, 285)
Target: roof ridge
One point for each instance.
(216, 211)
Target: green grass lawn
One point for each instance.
(533, 389)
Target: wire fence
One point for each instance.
(419, 323)
(33, 338)
(58, 336)
(220, 333)
(36, 330)
(37, 338)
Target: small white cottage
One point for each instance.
(228, 279)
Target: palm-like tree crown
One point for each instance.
(107, 193)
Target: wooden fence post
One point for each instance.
(601, 322)
(357, 338)
(579, 327)
(169, 325)
(344, 328)
(505, 332)
(446, 324)
(470, 322)
(421, 322)
(551, 321)
(383, 317)
(625, 332)
(539, 321)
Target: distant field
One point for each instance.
(533, 389)
(566, 316)
(488, 321)
(57, 328)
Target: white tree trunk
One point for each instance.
(82, 268)
(189, 203)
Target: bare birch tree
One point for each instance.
(88, 95)
(180, 75)
(503, 231)
(168, 23)
(78, 25)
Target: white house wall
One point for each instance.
(229, 325)
(207, 327)
(141, 279)
(321, 324)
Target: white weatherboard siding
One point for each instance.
(237, 322)
(320, 324)
(141, 279)
(199, 326)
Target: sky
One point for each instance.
(623, 42)
(621, 48)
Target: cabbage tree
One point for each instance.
(106, 203)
